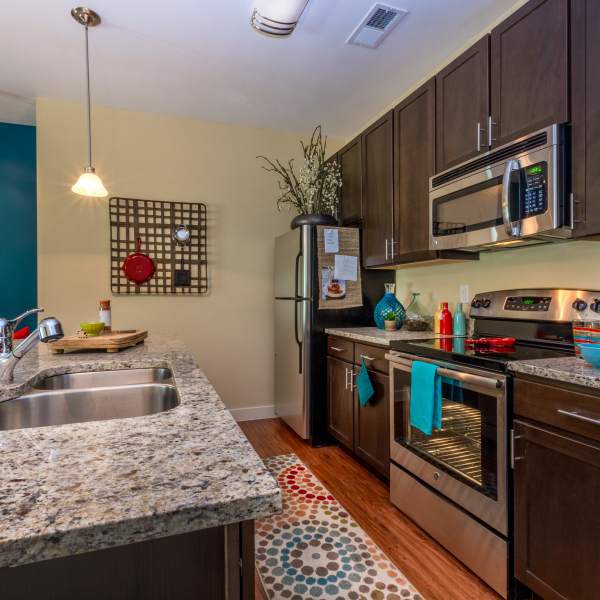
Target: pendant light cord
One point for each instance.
(88, 105)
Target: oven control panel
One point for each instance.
(529, 303)
(540, 304)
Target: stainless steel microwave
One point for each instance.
(512, 195)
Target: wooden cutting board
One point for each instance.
(111, 342)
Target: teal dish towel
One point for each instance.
(364, 386)
(425, 397)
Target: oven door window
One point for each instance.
(466, 446)
(471, 209)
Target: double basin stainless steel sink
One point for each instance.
(93, 396)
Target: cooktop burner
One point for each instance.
(458, 350)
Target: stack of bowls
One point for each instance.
(586, 336)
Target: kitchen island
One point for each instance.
(157, 506)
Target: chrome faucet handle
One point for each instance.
(32, 311)
(7, 328)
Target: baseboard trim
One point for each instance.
(253, 413)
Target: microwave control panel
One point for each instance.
(535, 196)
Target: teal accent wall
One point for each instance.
(18, 215)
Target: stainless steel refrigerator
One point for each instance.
(300, 341)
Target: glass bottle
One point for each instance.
(445, 320)
(460, 321)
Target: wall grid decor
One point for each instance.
(154, 222)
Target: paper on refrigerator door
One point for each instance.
(332, 241)
(346, 267)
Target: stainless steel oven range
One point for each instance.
(456, 483)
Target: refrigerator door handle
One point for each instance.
(297, 301)
(296, 290)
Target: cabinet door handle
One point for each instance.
(491, 124)
(392, 249)
(346, 382)
(352, 376)
(479, 132)
(336, 348)
(386, 249)
(579, 416)
(514, 458)
(369, 358)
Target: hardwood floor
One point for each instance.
(432, 570)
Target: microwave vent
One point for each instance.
(535, 141)
(376, 25)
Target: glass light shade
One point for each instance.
(281, 11)
(277, 18)
(89, 184)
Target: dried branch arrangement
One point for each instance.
(314, 189)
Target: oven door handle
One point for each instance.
(478, 380)
(513, 227)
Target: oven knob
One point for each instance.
(595, 305)
(486, 303)
(579, 304)
(476, 303)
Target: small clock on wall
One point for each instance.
(182, 235)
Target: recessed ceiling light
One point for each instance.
(277, 18)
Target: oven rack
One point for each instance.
(458, 444)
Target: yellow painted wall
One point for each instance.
(569, 265)
(151, 156)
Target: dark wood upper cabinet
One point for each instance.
(557, 521)
(340, 419)
(372, 425)
(585, 99)
(529, 69)
(463, 106)
(350, 161)
(414, 164)
(378, 192)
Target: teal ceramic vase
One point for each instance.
(389, 303)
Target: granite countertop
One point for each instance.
(80, 487)
(373, 335)
(567, 369)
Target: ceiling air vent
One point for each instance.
(376, 25)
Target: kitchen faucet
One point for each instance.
(48, 330)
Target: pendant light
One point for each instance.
(88, 184)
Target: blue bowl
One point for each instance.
(591, 354)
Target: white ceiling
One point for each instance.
(201, 59)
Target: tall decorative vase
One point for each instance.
(388, 303)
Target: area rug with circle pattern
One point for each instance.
(315, 549)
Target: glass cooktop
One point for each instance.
(456, 349)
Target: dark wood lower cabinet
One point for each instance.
(371, 425)
(557, 516)
(212, 564)
(340, 411)
(363, 430)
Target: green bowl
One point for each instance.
(92, 329)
